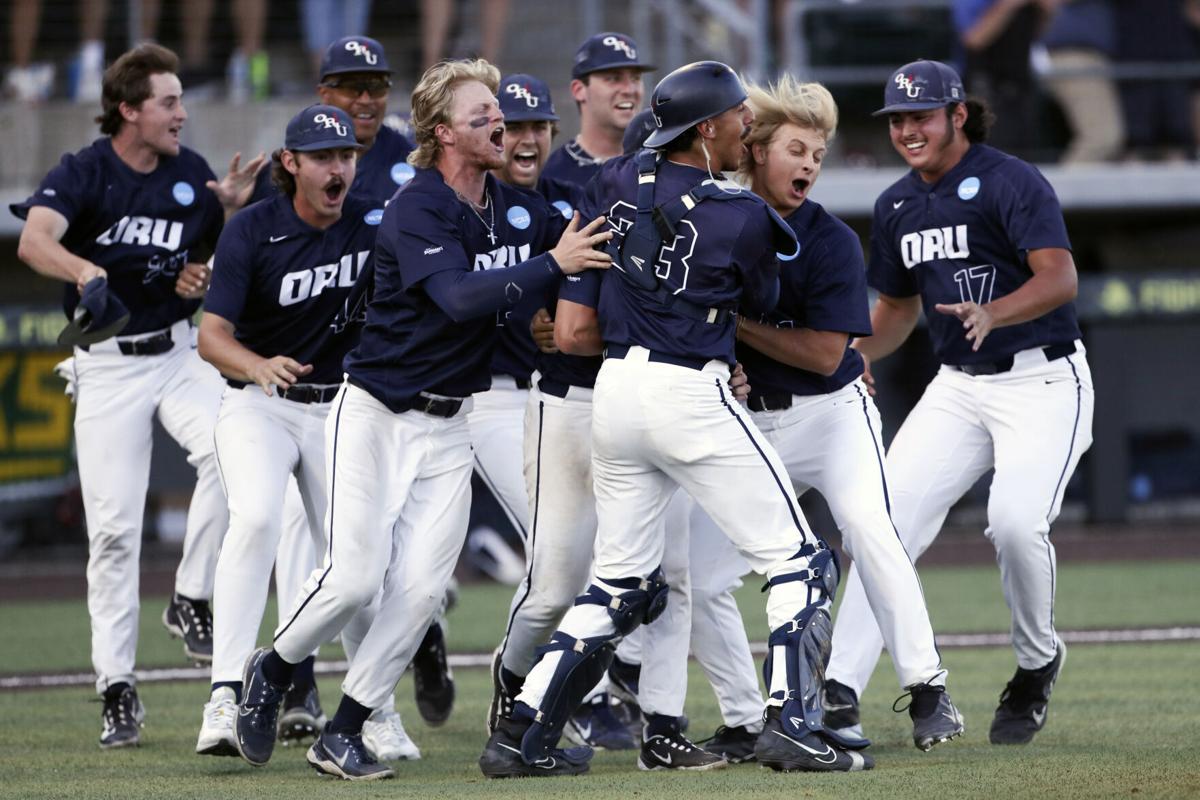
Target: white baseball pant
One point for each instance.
(399, 498)
(1032, 424)
(116, 399)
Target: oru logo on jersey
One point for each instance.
(144, 231)
(934, 244)
(299, 286)
(508, 255)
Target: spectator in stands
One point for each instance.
(326, 21)
(1081, 40)
(997, 36)
(34, 82)
(436, 19)
(1157, 112)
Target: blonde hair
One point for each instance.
(808, 105)
(434, 95)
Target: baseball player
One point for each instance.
(663, 418)
(455, 248)
(557, 456)
(606, 83)
(809, 401)
(133, 208)
(355, 76)
(276, 325)
(976, 239)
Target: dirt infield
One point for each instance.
(61, 574)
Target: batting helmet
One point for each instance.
(691, 94)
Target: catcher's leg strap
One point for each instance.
(581, 666)
(638, 601)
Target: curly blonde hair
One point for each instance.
(433, 97)
(808, 105)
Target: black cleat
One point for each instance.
(502, 756)
(1023, 704)
(255, 726)
(595, 724)
(733, 743)
(191, 621)
(122, 716)
(302, 718)
(841, 710)
(344, 756)
(432, 679)
(934, 717)
(673, 750)
(810, 753)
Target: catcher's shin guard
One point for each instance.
(581, 666)
(640, 601)
(800, 647)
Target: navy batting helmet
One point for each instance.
(691, 94)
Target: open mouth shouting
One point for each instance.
(497, 138)
(334, 190)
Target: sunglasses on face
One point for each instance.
(375, 87)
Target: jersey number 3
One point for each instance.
(975, 284)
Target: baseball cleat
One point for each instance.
(191, 621)
(733, 743)
(934, 717)
(122, 717)
(302, 718)
(810, 753)
(841, 710)
(675, 751)
(344, 755)
(216, 731)
(255, 726)
(502, 756)
(432, 680)
(504, 692)
(1023, 703)
(595, 725)
(384, 736)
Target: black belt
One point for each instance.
(557, 388)
(434, 406)
(769, 402)
(521, 383)
(621, 350)
(1053, 353)
(299, 393)
(154, 345)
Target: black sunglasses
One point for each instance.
(376, 87)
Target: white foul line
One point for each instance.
(951, 640)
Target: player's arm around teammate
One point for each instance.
(976, 239)
(397, 443)
(279, 342)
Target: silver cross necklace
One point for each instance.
(487, 203)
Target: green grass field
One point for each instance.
(1123, 722)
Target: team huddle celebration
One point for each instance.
(647, 342)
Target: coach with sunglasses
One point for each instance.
(355, 77)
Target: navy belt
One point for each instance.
(769, 402)
(622, 350)
(1053, 353)
(553, 388)
(434, 406)
(154, 345)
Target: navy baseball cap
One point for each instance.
(637, 131)
(99, 315)
(320, 127)
(921, 85)
(354, 54)
(524, 98)
(607, 51)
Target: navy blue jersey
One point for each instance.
(516, 354)
(966, 239)
(560, 367)
(380, 172)
(824, 289)
(724, 249)
(409, 344)
(141, 228)
(571, 164)
(284, 284)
